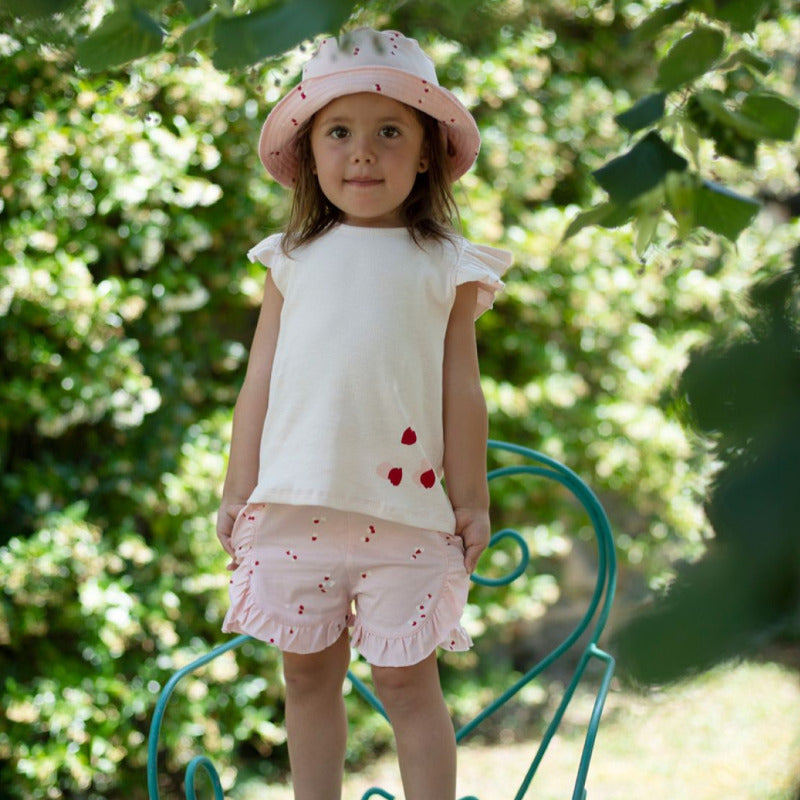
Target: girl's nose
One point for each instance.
(362, 152)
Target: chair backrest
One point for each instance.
(581, 640)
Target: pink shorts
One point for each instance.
(306, 573)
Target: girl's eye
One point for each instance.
(389, 132)
(339, 132)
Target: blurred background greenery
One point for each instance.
(130, 194)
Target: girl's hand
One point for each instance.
(226, 516)
(474, 528)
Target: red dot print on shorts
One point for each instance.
(409, 436)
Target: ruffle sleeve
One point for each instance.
(484, 265)
(266, 250)
(269, 253)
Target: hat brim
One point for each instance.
(277, 143)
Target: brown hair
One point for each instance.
(429, 211)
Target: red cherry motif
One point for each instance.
(395, 476)
(428, 479)
(409, 436)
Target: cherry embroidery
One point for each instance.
(428, 479)
(409, 436)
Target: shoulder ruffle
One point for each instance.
(266, 250)
(485, 266)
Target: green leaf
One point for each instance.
(713, 103)
(723, 211)
(37, 9)
(777, 117)
(122, 36)
(660, 19)
(639, 170)
(644, 113)
(607, 214)
(741, 15)
(690, 57)
(201, 28)
(249, 38)
(197, 7)
(750, 59)
(680, 196)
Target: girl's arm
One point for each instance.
(465, 428)
(248, 415)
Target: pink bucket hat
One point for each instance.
(365, 60)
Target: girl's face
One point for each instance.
(368, 150)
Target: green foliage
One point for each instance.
(749, 580)
(244, 40)
(736, 118)
(126, 309)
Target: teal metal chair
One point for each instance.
(582, 642)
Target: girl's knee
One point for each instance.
(314, 672)
(399, 686)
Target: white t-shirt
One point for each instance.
(355, 408)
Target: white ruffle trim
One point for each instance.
(483, 265)
(266, 249)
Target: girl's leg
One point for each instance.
(316, 722)
(426, 745)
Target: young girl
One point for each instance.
(362, 392)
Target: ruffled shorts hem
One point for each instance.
(432, 627)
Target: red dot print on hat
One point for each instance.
(378, 87)
(417, 553)
(327, 583)
(301, 609)
(291, 554)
